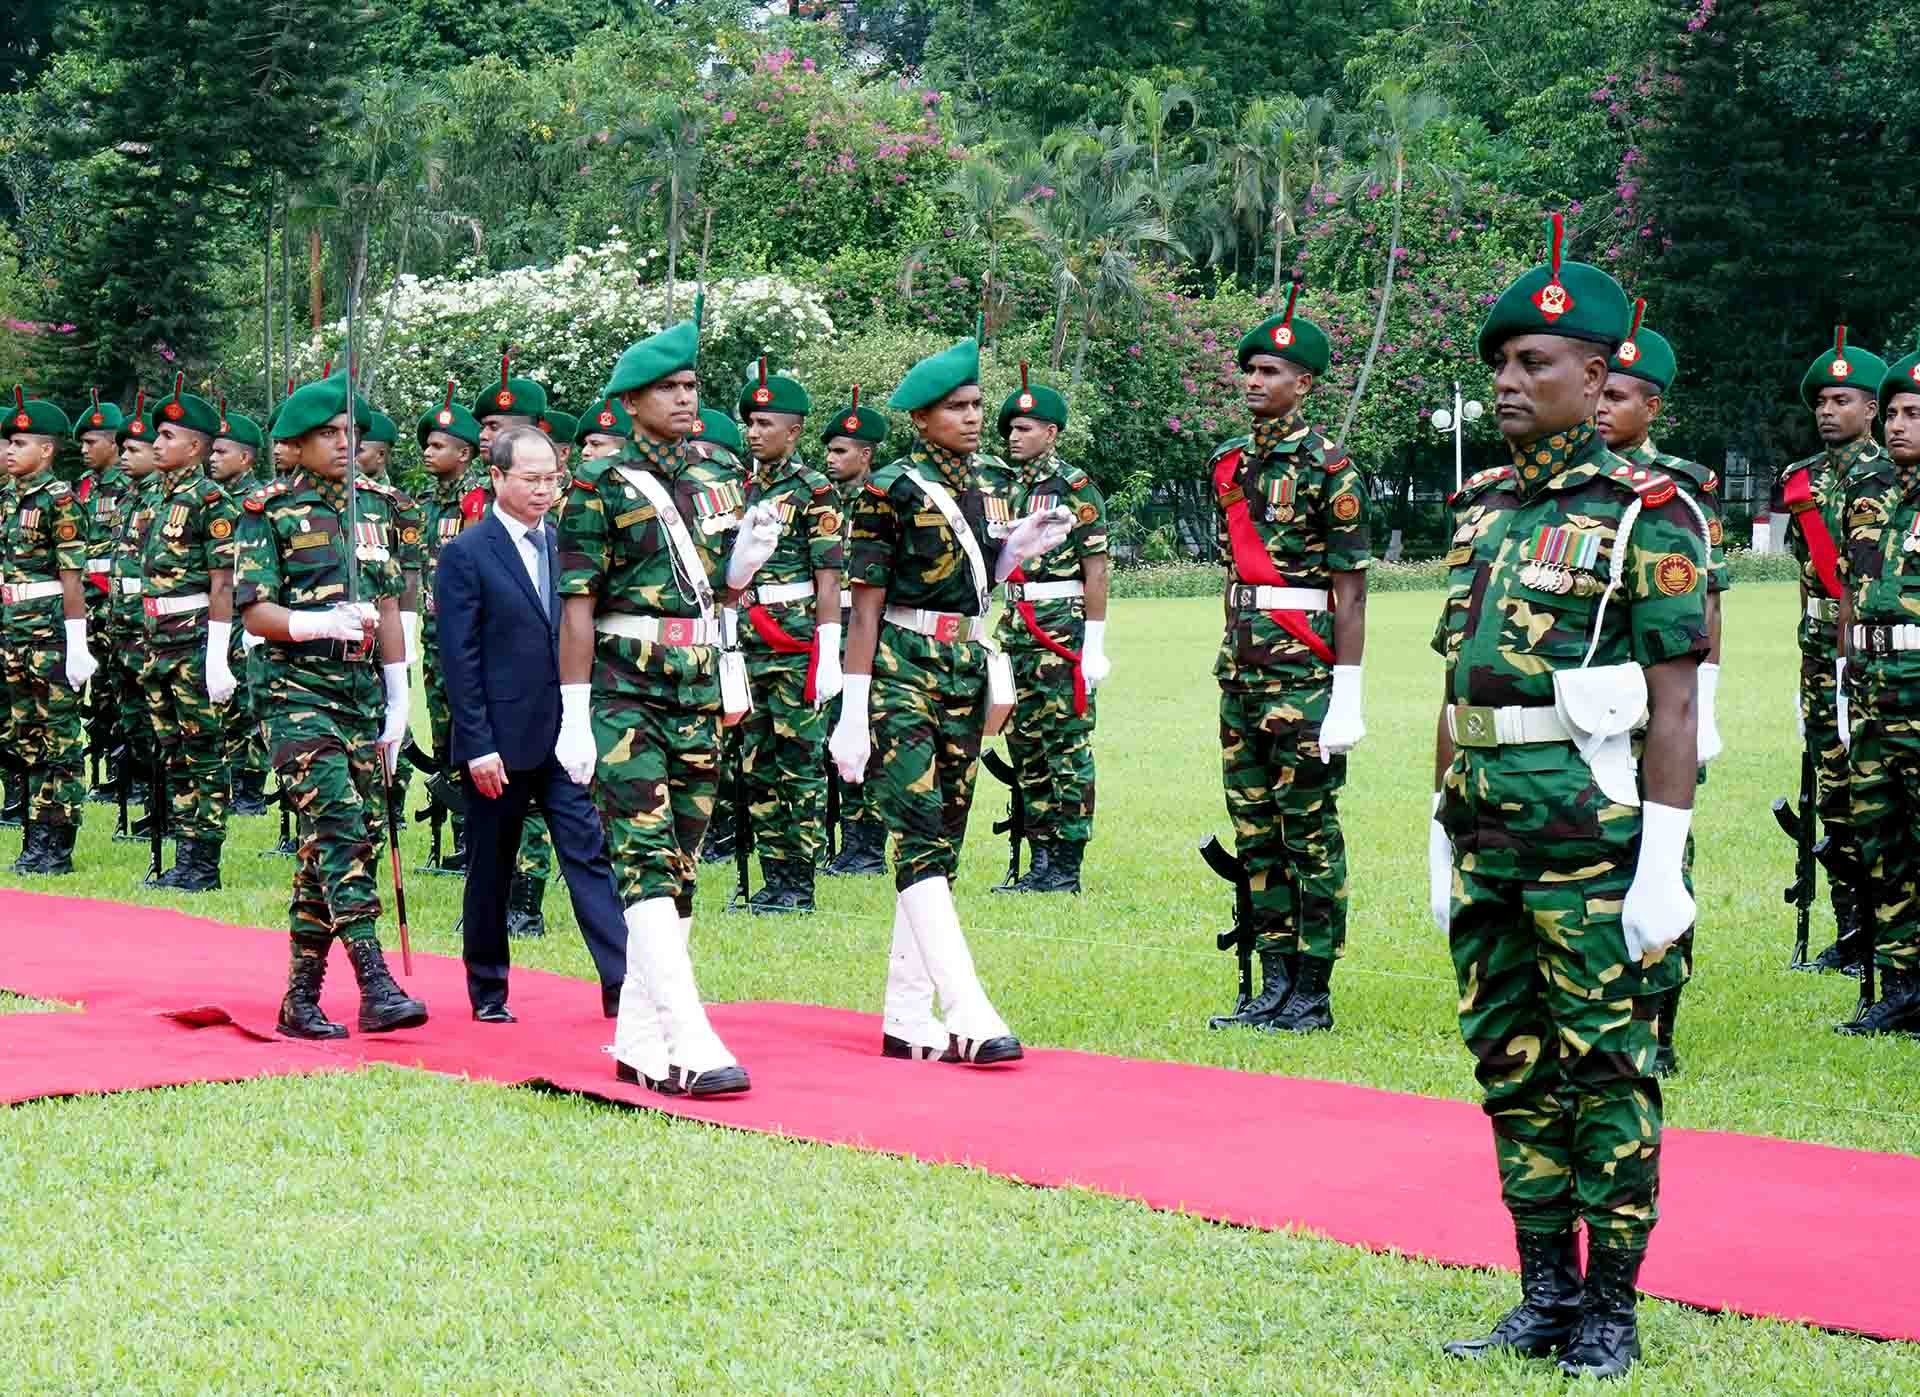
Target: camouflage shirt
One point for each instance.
(1880, 568)
(409, 527)
(810, 541)
(1533, 546)
(457, 502)
(129, 548)
(190, 539)
(1040, 485)
(292, 552)
(1307, 502)
(1702, 485)
(101, 499)
(614, 548)
(46, 536)
(902, 543)
(1828, 471)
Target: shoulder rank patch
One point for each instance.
(1675, 574)
(873, 489)
(214, 496)
(580, 484)
(257, 501)
(1076, 477)
(1713, 480)
(1653, 487)
(1479, 479)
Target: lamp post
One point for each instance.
(1456, 418)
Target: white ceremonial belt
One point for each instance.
(1246, 595)
(1471, 725)
(660, 630)
(1045, 591)
(1823, 609)
(777, 593)
(175, 606)
(1884, 640)
(131, 586)
(938, 625)
(28, 591)
(99, 565)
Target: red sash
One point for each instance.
(82, 493)
(777, 640)
(1250, 557)
(1032, 623)
(1797, 494)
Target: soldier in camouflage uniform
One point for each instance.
(852, 435)
(188, 599)
(792, 644)
(236, 452)
(1054, 629)
(13, 803)
(511, 402)
(933, 533)
(716, 439)
(1840, 389)
(46, 659)
(332, 720)
(642, 542)
(410, 523)
(560, 428)
(1294, 523)
(1880, 571)
(127, 622)
(100, 493)
(1558, 879)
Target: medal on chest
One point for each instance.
(1911, 543)
(1554, 553)
(1040, 504)
(370, 540)
(1280, 496)
(29, 520)
(176, 521)
(999, 515)
(716, 507)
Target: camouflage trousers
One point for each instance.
(535, 859)
(1820, 709)
(653, 787)
(1051, 747)
(1562, 1031)
(330, 768)
(191, 733)
(1284, 802)
(127, 638)
(928, 709)
(45, 730)
(1885, 791)
(783, 748)
(246, 741)
(115, 686)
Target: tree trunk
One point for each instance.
(266, 304)
(286, 306)
(1059, 330)
(316, 279)
(673, 241)
(1279, 235)
(1386, 294)
(1079, 357)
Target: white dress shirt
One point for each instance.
(529, 554)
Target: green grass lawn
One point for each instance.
(391, 1231)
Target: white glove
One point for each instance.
(1031, 537)
(346, 623)
(249, 641)
(80, 662)
(1842, 718)
(1709, 738)
(394, 734)
(1439, 871)
(827, 679)
(575, 749)
(410, 632)
(220, 680)
(753, 543)
(852, 741)
(1094, 665)
(1342, 729)
(1658, 908)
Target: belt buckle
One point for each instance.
(1244, 596)
(151, 605)
(947, 627)
(1473, 726)
(6, 594)
(676, 631)
(1877, 640)
(750, 597)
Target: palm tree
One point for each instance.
(990, 196)
(1150, 111)
(1300, 149)
(671, 140)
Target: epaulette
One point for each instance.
(1807, 463)
(883, 479)
(1479, 481)
(257, 501)
(1712, 483)
(214, 496)
(1335, 455)
(402, 500)
(58, 488)
(820, 490)
(1230, 444)
(1653, 487)
(379, 487)
(1075, 477)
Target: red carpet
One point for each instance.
(1752, 1225)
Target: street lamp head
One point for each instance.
(1442, 419)
(1471, 410)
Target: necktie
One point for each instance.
(538, 538)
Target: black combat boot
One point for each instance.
(384, 1006)
(300, 1015)
(1896, 1011)
(56, 849)
(1843, 956)
(33, 849)
(249, 793)
(1606, 1340)
(526, 907)
(13, 803)
(1309, 1006)
(1061, 870)
(1540, 1325)
(1038, 856)
(863, 851)
(196, 867)
(1277, 970)
(787, 888)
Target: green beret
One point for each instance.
(605, 418)
(930, 380)
(380, 429)
(316, 404)
(450, 418)
(1645, 354)
(511, 397)
(641, 365)
(1293, 338)
(1902, 377)
(860, 423)
(36, 416)
(1845, 367)
(772, 393)
(560, 425)
(715, 426)
(186, 410)
(1034, 400)
(238, 427)
(97, 417)
(137, 424)
(1570, 299)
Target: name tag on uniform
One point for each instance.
(1456, 556)
(633, 516)
(929, 519)
(307, 541)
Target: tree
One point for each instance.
(670, 138)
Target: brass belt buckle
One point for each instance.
(1473, 726)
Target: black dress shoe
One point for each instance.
(982, 1052)
(494, 1013)
(890, 1046)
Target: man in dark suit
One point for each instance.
(498, 614)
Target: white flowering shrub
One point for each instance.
(567, 324)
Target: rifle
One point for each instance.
(444, 798)
(1797, 823)
(1015, 825)
(742, 829)
(396, 812)
(1843, 867)
(832, 850)
(157, 803)
(123, 789)
(1239, 937)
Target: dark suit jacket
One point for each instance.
(499, 648)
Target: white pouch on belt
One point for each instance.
(1601, 708)
(999, 691)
